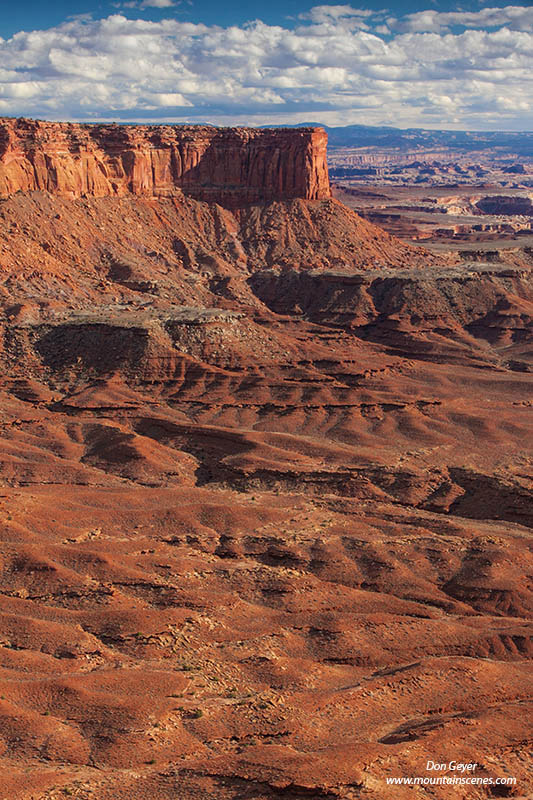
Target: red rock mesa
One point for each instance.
(224, 165)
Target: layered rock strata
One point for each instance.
(230, 166)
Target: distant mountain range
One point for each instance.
(515, 143)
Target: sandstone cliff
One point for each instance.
(231, 166)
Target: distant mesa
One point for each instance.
(503, 204)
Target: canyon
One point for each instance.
(465, 221)
(468, 193)
(265, 480)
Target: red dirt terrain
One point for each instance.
(265, 494)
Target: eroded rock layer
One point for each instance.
(225, 165)
(265, 506)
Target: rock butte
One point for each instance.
(223, 165)
(265, 481)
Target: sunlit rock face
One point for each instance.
(231, 166)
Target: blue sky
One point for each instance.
(36, 14)
(436, 66)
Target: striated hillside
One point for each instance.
(265, 502)
(178, 249)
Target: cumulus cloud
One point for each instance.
(147, 4)
(338, 65)
(327, 15)
(519, 18)
(157, 3)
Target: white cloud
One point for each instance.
(332, 67)
(331, 15)
(518, 18)
(323, 13)
(147, 4)
(157, 3)
(166, 99)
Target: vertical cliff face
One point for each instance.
(231, 166)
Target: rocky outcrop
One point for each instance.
(494, 300)
(231, 166)
(505, 204)
(439, 316)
